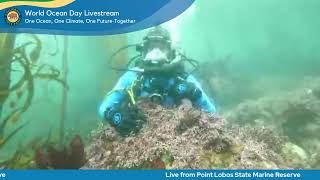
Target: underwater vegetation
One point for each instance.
(29, 63)
(186, 138)
(275, 131)
(6, 44)
(71, 157)
(48, 155)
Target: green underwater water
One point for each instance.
(270, 46)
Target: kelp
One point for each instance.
(20, 160)
(6, 46)
(46, 154)
(32, 70)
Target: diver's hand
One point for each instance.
(126, 120)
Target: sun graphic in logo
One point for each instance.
(13, 16)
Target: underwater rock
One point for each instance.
(41, 159)
(295, 114)
(206, 142)
(188, 117)
(295, 155)
(72, 157)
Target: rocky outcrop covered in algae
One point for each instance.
(294, 114)
(186, 138)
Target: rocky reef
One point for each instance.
(48, 155)
(186, 138)
(72, 157)
(294, 114)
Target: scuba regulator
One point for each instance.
(155, 55)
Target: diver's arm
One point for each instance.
(203, 101)
(115, 97)
(115, 110)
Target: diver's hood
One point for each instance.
(156, 57)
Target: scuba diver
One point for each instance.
(159, 74)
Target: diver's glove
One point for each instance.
(187, 90)
(125, 120)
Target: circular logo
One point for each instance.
(13, 16)
(117, 118)
(182, 88)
